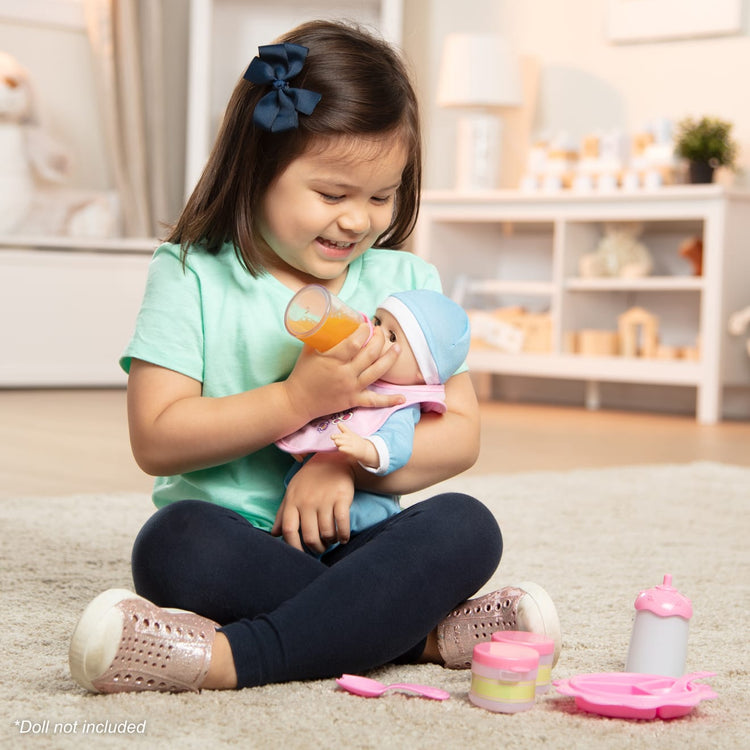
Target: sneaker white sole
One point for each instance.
(537, 614)
(96, 638)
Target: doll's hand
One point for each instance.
(357, 447)
(315, 508)
(337, 380)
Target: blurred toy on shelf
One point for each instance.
(604, 160)
(637, 335)
(739, 322)
(27, 153)
(591, 342)
(35, 167)
(692, 353)
(619, 253)
(552, 164)
(638, 330)
(692, 250)
(511, 329)
(604, 157)
(653, 156)
(515, 330)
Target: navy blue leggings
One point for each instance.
(291, 616)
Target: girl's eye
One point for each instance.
(376, 320)
(381, 200)
(392, 337)
(331, 198)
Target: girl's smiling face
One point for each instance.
(329, 206)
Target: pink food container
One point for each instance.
(503, 677)
(544, 646)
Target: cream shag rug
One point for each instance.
(592, 538)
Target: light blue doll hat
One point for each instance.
(437, 329)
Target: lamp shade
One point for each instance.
(478, 70)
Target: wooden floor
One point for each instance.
(62, 442)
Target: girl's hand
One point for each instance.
(326, 383)
(315, 508)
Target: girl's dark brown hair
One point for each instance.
(365, 92)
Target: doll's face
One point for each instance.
(405, 370)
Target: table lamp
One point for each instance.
(478, 72)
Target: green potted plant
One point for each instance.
(706, 144)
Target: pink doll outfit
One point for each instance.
(315, 436)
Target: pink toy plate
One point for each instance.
(629, 695)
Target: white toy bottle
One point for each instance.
(658, 644)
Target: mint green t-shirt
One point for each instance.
(215, 323)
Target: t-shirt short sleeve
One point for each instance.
(169, 328)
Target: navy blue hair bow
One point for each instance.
(276, 64)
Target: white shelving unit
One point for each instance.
(68, 308)
(507, 248)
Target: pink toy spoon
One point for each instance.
(369, 688)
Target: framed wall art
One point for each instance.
(630, 21)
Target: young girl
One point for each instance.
(315, 171)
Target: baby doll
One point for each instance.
(433, 334)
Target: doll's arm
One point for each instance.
(359, 448)
(388, 448)
(444, 444)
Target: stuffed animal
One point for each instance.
(619, 253)
(738, 322)
(26, 152)
(692, 250)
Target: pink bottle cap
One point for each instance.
(540, 643)
(664, 600)
(506, 656)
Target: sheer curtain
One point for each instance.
(127, 41)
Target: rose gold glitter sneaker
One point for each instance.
(124, 643)
(524, 607)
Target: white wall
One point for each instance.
(575, 79)
(584, 83)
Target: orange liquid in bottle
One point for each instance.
(319, 318)
(333, 329)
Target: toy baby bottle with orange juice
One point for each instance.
(319, 318)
